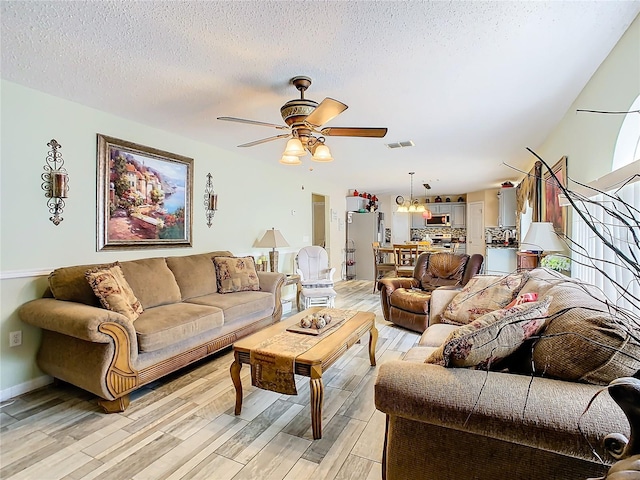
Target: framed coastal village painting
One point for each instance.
(552, 211)
(144, 196)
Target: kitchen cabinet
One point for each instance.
(459, 215)
(418, 221)
(440, 208)
(500, 260)
(356, 203)
(507, 207)
(456, 211)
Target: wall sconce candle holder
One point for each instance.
(210, 200)
(55, 182)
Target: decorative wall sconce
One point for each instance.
(210, 200)
(55, 182)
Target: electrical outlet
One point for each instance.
(15, 338)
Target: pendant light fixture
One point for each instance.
(413, 205)
(426, 214)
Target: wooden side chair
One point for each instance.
(405, 259)
(380, 264)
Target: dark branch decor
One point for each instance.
(616, 224)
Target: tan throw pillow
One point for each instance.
(483, 294)
(70, 284)
(582, 343)
(113, 290)
(236, 274)
(492, 337)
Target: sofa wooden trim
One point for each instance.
(121, 376)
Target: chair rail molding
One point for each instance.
(36, 272)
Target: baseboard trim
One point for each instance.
(25, 387)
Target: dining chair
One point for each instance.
(405, 259)
(380, 264)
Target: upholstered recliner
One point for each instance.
(405, 301)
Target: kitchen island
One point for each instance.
(501, 259)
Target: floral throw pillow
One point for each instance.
(481, 295)
(113, 290)
(236, 274)
(492, 337)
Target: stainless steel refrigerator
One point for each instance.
(362, 230)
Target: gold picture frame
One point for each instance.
(144, 196)
(551, 209)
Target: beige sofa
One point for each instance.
(452, 423)
(185, 319)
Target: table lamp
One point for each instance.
(272, 239)
(541, 237)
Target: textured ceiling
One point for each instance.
(471, 83)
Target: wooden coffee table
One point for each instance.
(314, 361)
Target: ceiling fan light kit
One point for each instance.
(294, 148)
(290, 160)
(303, 118)
(322, 154)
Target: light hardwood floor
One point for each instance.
(183, 426)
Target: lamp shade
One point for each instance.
(272, 239)
(290, 160)
(541, 237)
(322, 154)
(294, 147)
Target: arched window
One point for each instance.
(628, 143)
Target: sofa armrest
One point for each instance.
(271, 281)
(537, 412)
(388, 285)
(74, 319)
(440, 298)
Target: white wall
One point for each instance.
(589, 139)
(254, 194)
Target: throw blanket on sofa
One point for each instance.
(272, 362)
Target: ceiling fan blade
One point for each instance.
(328, 109)
(265, 140)
(253, 122)
(354, 132)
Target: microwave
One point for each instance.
(440, 219)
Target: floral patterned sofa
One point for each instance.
(109, 329)
(498, 384)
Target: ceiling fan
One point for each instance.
(304, 119)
